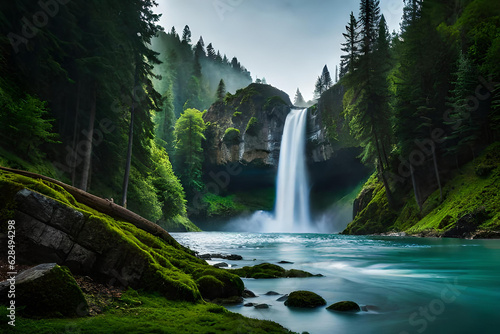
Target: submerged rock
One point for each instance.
(272, 293)
(304, 299)
(282, 298)
(248, 294)
(261, 306)
(46, 290)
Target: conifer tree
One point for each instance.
(350, 47)
(221, 91)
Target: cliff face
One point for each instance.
(247, 127)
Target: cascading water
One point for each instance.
(292, 193)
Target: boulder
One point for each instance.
(304, 299)
(261, 306)
(282, 298)
(272, 293)
(344, 306)
(47, 290)
(248, 294)
(221, 265)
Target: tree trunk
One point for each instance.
(128, 163)
(415, 189)
(89, 135)
(75, 136)
(436, 170)
(381, 172)
(129, 155)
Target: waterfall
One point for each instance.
(292, 192)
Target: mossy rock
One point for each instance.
(269, 270)
(253, 127)
(210, 287)
(232, 285)
(304, 299)
(263, 270)
(344, 306)
(48, 290)
(232, 136)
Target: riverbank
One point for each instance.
(469, 207)
(122, 250)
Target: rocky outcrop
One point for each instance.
(46, 290)
(256, 117)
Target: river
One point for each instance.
(410, 285)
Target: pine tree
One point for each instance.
(221, 91)
(211, 54)
(299, 100)
(323, 83)
(199, 49)
(186, 35)
(350, 47)
(369, 16)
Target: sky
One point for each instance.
(286, 41)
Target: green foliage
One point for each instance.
(304, 299)
(218, 206)
(232, 136)
(139, 312)
(25, 124)
(189, 130)
(168, 188)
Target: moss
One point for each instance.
(232, 284)
(252, 126)
(345, 306)
(232, 136)
(169, 266)
(274, 101)
(377, 216)
(236, 114)
(210, 287)
(304, 299)
(56, 294)
(268, 270)
(150, 313)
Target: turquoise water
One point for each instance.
(416, 285)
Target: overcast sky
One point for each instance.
(286, 41)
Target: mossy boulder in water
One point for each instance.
(47, 290)
(344, 306)
(304, 299)
(269, 270)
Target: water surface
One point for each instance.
(411, 285)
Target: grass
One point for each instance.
(140, 312)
